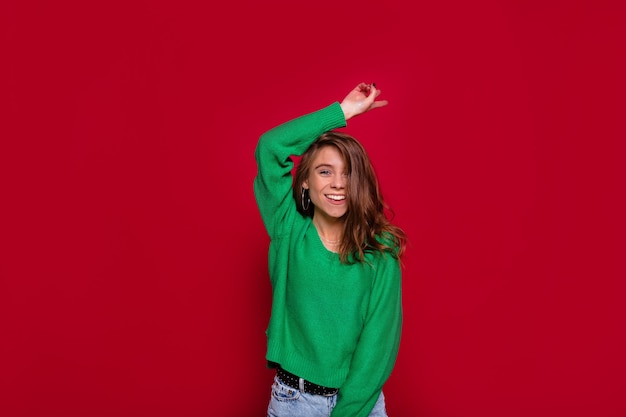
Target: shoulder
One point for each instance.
(384, 260)
(389, 243)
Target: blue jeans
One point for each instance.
(290, 402)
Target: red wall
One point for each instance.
(133, 260)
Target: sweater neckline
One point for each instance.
(320, 244)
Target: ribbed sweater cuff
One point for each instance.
(332, 117)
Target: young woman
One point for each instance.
(334, 330)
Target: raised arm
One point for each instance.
(272, 185)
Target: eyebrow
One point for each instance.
(323, 166)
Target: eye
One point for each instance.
(324, 172)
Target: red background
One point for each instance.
(133, 271)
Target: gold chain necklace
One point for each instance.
(330, 242)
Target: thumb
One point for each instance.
(380, 103)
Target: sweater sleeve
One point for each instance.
(378, 345)
(272, 185)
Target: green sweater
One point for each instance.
(334, 324)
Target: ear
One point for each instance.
(305, 184)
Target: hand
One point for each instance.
(360, 100)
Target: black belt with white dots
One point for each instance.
(303, 385)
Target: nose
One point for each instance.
(339, 181)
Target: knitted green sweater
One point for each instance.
(334, 324)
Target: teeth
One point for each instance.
(336, 197)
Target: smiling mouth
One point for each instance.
(336, 197)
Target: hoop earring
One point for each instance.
(306, 206)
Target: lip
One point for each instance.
(335, 202)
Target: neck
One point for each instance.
(330, 232)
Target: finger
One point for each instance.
(372, 93)
(380, 103)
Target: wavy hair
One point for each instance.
(366, 228)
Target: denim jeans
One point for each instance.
(290, 402)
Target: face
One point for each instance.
(327, 183)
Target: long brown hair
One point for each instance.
(365, 227)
